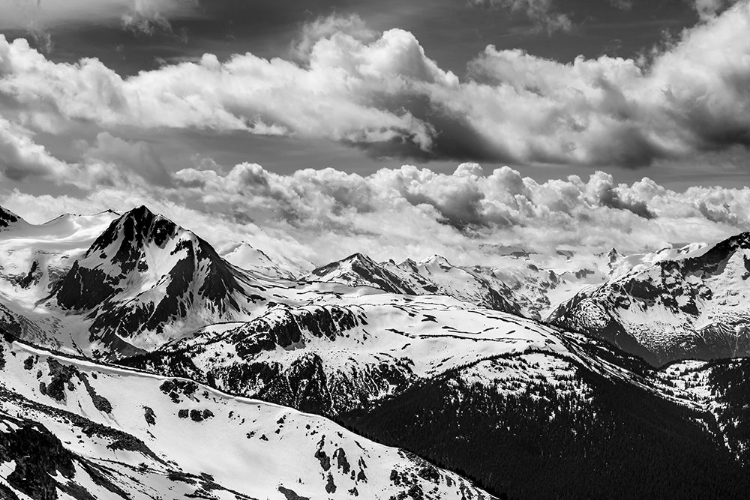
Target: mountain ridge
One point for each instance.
(689, 307)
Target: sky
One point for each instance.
(448, 126)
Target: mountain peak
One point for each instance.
(437, 260)
(359, 257)
(131, 231)
(8, 218)
(142, 211)
(145, 272)
(355, 260)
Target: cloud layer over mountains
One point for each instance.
(382, 93)
(322, 215)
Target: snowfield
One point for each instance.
(152, 437)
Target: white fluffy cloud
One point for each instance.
(382, 93)
(709, 8)
(21, 157)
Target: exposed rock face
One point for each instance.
(306, 378)
(7, 218)
(434, 276)
(694, 307)
(361, 270)
(38, 455)
(144, 273)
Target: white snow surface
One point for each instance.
(248, 447)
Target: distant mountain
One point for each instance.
(464, 284)
(145, 275)
(76, 429)
(433, 276)
(540, 285)
(693, 304)
(361, 270)
(249, 258)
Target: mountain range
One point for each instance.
(562, 376)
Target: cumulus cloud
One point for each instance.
(327, 27)
(709, 8)
(110, 161)
(381, 92)
(138, 157)
(21, 157)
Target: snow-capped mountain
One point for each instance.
(249, 258)
(33, 259)
(433, 276)
(9, 219)
(540, 283)
(146, 280)
(361, 270)
(692, 304)
(76, 429)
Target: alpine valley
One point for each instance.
(137, 361)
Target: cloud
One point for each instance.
(327, 27)
(21, 157)
(138, 157)
(380, 92)
(316, 216)
(541, 13)
(111, 162)
(622, 4)
(709, 8)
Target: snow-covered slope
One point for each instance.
(249, 258)
(692, 305)
(432, 276)
(33, 258)
(541, 282)
(446, 380)
(464, 284)
(361, 270)
(355, 351)
(75, 429)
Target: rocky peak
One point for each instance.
(132, 231)
(356, 262)
(613, 255)
(437, 260)
(8, 218)
(145, 272)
